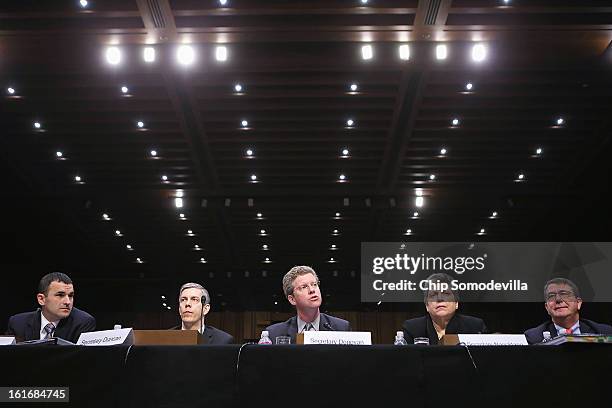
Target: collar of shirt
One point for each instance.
(201, 332)
(315, 323)
(43, 323)
(575, 328)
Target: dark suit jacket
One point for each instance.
(535, 335)
(289, 328)
(458, 324)
(26, 326)
(212, 335)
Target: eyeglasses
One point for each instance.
(305, 286)
(564, 295)
(445, 296)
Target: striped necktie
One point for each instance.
(49, 329)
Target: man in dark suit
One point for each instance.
(563, 304)
(442, 317)
(301, 287)
(56, 317)
(194, 305)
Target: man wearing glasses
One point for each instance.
(563, 304)
(301, 287)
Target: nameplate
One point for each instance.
(341, 338)
(486, 339)
(7, 340)
(107, 338)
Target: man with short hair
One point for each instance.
(194, 305)
(563, 302)
(56, 317)
(301, 287)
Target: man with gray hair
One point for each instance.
(194, 305)
(563, 303)
(301, 287)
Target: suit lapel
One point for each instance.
(208, 334)
(32, 331)
(324, 322)
(430, 330)
(292, 329)
(63, 328)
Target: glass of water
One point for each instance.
(422, 340)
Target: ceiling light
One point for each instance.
(367, 52)
(432, 177)
(179, 193)
(354, 87)
(238, 88)
(350, 122)
(479, 52)
(78, 179)
(331, 260)
(202, 260)
(59, 154)
(117, 232)
(10, 90)
(539, 151)
(364, 1)
(196, 246)
(140, 124)
(455, 122)
(113, 55)
(335, 232)
(408, 232)
(494, 214)
(128, 247)
(185, 55)
(259, 215)
(520, 177)
(164, 177)
(189, 232)
(253, 177)
(404, 52)
(264, 247)
(441, 52)
(267, 260)
(443, 151)
(244, 123)
(105, 217)
(178, 202)
(182, 216)
(138, 260)
(345, 152)
(262, 232)
(153, 153)
(415, 214)
(342, 177)
(249, 152)
(419, 201)
(560, 121)
(482, 231)
(337, 215)
(83, 3)
(124, 89)
(221, 53)
(37, 125)
(223, 2)
(469, 86)
(148, 54)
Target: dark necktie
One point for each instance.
(49, 329)
(308, 327)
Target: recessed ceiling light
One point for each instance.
(148, 54)
(262, 232)
(441, 51)
(482, 231)
(196, 246)
(539, 151)
(164, 177)
(37, 125)
(154, 153)
(253, 177)
(455, 122)
(202, 260)
(124, 89)
(178, 202)
(138, 260)
(469, 86)
(140, 124)
(333, 246)
(78, 179)
(128, 247)
(335, 232)
(185, 55)
(244, 123)
(560, 121)
(238, 88)
(354, 87)
(443, 151)
(342, 177)
(264, 246)
(345, 152)
(11, 91)
(404, 52)
(432, 177)
(249, 152)
(364, 1)
(415, 214)
(83, 3)
(350, 122)
(337, 215)
(408, 232)
(494, 214)
(113, 55)
(59, 154)
(182, 216)
(419, 201)
(180, 193)
(259, 215)
(117, 232)
(221, 53)
(479, 52)
(367, 52)
(189, 232)
(223, 2)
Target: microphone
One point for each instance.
(328, 326)
(202, 303)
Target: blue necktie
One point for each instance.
(49, 329)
